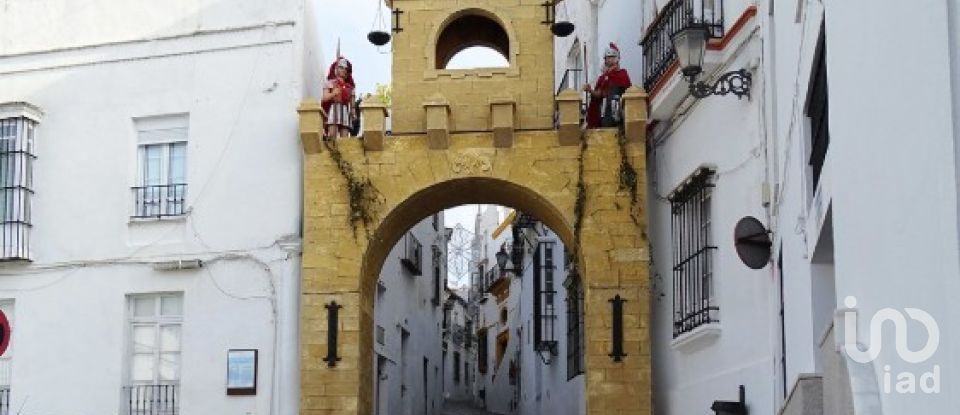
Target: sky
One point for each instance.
(372, 65)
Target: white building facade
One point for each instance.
(840, 212)
(408, 317)
(140, 157)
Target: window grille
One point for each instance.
(574, 327)
(693, 297)
(543, 298)
(17, 136)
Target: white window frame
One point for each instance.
(165, 131)
(157, 320)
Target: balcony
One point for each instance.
(658, 52)
(412, 258)
(160, 399)
(159, 201)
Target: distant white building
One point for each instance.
(458, 349)
(529, 329)
(152, 195)
(408, 315)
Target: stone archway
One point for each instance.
(345, 244)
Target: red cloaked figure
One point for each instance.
(338, 98)
(614, 79)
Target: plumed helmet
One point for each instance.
(613, 51)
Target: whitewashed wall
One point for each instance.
(890, 178)
(217, 62)
(542, 386)
(404, 303)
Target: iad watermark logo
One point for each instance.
(906, 382)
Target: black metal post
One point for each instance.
(617, 354)
(333, 311)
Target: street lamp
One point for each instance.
(502, 260)
(690, 43)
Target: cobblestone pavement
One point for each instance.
(462, 408)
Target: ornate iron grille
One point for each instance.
(412, 254)
(544, 308)
(690, 206)
(658, 52)
(163, 399)
(159, 201)
(16, 181)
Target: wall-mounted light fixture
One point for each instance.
(562, 28)
(690, 42)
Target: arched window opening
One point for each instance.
(473, 31)
(477, 57)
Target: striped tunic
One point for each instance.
(340, 113)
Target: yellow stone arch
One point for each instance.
(492, 13)
(537, 175)
(472, 137)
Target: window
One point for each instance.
(18, 123)
(482, 346)
(544, 312)
(154, 353)
(437, 256)
(412, 254)
(817, 110)
(162, 169)
(693, 299)
(574, 327)
(435, 221)
(456, 367)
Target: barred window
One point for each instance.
(574, 326)
(693, 298)
(17, 135)
(436, 256)
(544, 312)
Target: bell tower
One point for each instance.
(427, 96)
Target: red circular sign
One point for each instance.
(4, 333)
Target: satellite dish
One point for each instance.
(753, 242)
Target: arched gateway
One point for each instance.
(473, 136)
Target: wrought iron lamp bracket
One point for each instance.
(737, 83)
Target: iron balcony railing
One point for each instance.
(159, 201)
(157, 399)
(412, 254)
(658, 52)
(4, 400)
(491, 277)
(571, 80)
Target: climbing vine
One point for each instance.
(580, 203)
(364, 196)
(628, 178)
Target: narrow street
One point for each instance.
(462, 408)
